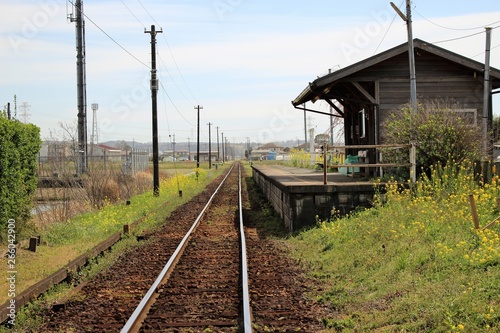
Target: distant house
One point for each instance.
(271, 146)
(107, 153)
(55, 151)
(365, 93)
(267, 151)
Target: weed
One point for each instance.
(413, 263)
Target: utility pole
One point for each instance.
(218, 157)
(331, 119)
(209, 146)
(198, 107)
(173, 146)
(223, 153)
(154, 93)
(411, 52)
(94, 138)
(305, 129)
(81, 87)
(486, 91)
(189, 149)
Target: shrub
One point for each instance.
(440, 133)
(19, 147)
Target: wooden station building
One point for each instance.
(365, 93)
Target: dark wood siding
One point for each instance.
(437, 78)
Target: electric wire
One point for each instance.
(111, 38)
(462, 37)
(179, 70)
(164, 67)
(481, 53)
(173, 104)
(171, 54)
(385, 34)
(202, 133)
(173, 80)
(448, 28)
(151, 16)
(131, 12)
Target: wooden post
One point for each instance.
(413, 162)
(325, 166)
(126, 229)
(477, 171)
(475, 218)
(33, 242)
(486, 172)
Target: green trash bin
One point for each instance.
(349, 160)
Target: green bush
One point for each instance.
(19, 147)
(440, 133)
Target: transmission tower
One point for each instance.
(94, 137)
(25, 115)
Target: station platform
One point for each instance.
(292, 176)
(300, 196)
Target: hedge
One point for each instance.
(19, 146)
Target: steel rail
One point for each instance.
(247, 312)
(133, 324)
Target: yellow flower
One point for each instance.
(460, 327)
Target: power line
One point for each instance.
(448, 28)
(173, 104)
(458, 38)
(179, 70)
(385, 34)
(111, 38)
(140, 2)
(481, 53)
(173, 80)
(131, 12)
(463, 37)
(171, 54)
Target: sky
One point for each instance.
(243, 61)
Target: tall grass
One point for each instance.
(414, 262)
(65, 240)
(97, 225)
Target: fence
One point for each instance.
(66, 166)
(362, 158)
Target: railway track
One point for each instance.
(203, 286)
(204, 283)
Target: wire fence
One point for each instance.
(128, 163)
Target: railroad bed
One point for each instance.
(202, 290)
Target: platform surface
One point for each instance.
(292, 176)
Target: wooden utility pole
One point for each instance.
(154, 93)
(209, 146)
(198, 107)
(218, 154)
(223, 149)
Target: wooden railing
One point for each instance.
(329, 150)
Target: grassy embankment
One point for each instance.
(413, 264)
(66, 240)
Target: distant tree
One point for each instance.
(321, 138)
(123, 145)
(440, 133)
